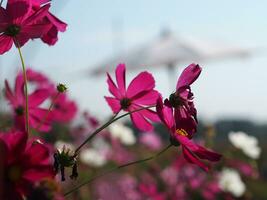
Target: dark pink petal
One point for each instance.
(9, 95)
(5, 43)
(165, 113)
(190, 157)
(142, 82)
(148, 98)
(33, 31)
(36, 117)
(3, 19)
(37, 154)
(147, 113)
(22, 39)
(38, 97)
(60, 25)
(18, 10)
(37, 15)
(33, 175)
(114, 104)
(120, 77)
(140, 122)
(19, 88)
(198, 150)
(113, 88)
(151, 115)
(51, 37)
(188, 76)
(38, 3)
(15, 142)
(204, 153)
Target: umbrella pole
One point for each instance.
(171, 76)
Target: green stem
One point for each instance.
(1, 2)
(27, 124)
(113, 119)
(49, 110)
(117, 168)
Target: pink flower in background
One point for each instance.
(51, 37)
(64, 110)
(16, 99)
(41, 80)
(179, 135)
(150, 191)
(18, 22)
(23, 163)
(151, 140)
(140, 93)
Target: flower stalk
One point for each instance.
(113, 119)
(48, 111)
(27, 122)
(117, 168)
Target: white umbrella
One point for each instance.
(168, 51)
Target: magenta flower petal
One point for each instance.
(36, 116)
(9, 95)
(190, 157)
(146, 98)
(51, 36)
(38, 97)
(32, 31)
(114, 104)
(3, 19)
(30, 158)
(5, 43)
(165, 114)
(37, 16)
(37, 153)
(141, 122)
(188, 76)
(18, 10)
(140, 93)
(151, 115)
(60, 25)
(112, 87)
(200, 151)
(142, 82)
(120, 77)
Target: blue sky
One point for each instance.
(99, 29)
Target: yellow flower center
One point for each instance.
(181, 132)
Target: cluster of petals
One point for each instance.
(23, 162)
(179, 115)
(139, 94)
(63, 111)
(23, 20)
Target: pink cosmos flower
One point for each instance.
(23, 163)
(16, 99)
(180, 134)
(151, 140)
(140, 93)
(182, 99)
(64, 110)
(18, 22)
(51, 37)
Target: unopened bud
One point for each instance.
(61, 88)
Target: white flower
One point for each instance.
(92, 157)
(230, 181)
(248, 144)
(123, 133)
(60, 145)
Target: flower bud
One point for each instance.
(61, 88)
